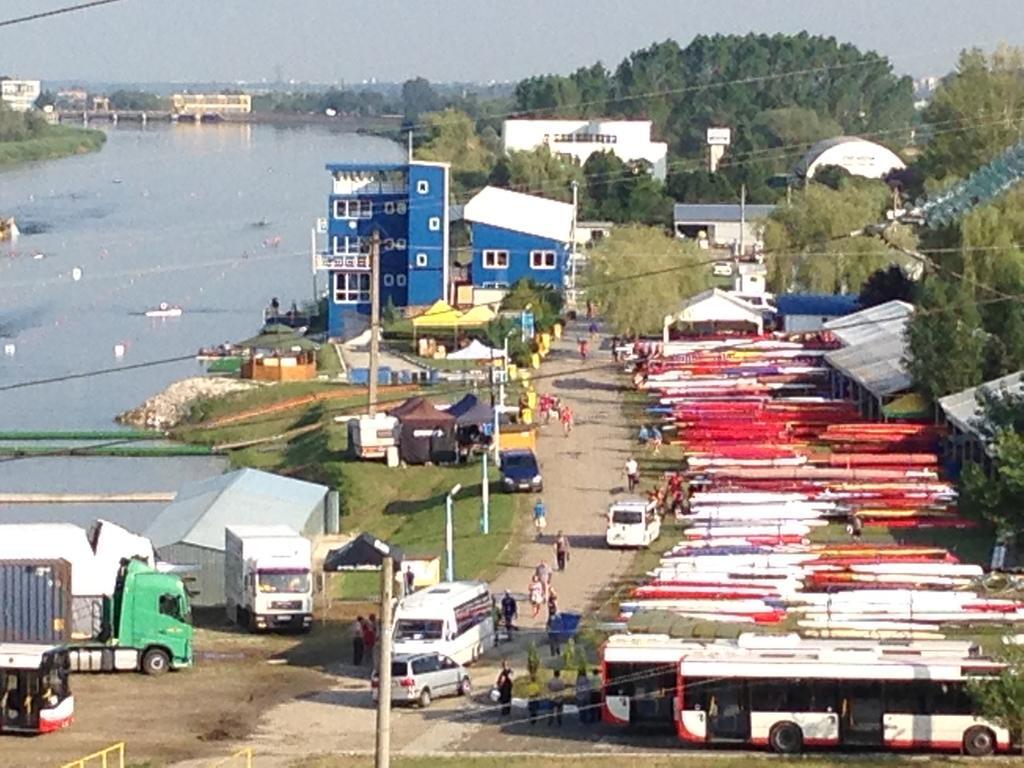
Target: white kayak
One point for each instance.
(164, 310)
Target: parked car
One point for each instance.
(520, 471)
(721, 269)
(419, 678)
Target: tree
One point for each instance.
(544, 301)
(418, 97)
(1001, 699)
(976, 113)
(998, 499)
(135, 100)
(623, 192)
(946, 342)
(451, 137)
(808, 244)
(538, 172)
(637, 275)
(889, 284)
(701, 187)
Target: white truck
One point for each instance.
(268, 582)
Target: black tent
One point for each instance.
(469, 411)
(359, 555)
(427, 434)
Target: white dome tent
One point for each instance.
(858, 156)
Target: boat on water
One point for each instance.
(164, 310)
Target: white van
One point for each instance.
(721, 269)
(453, 619)
(633, 523)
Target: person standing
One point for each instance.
(357, 642)
(554, 636)
(509, 611)
(583, 688)
(539, 517)
(632, 473)
(561, 550)
(369, 635)
(536, 593)
(504, 686)
(556, 691)
(409, 580)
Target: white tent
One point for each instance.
(477, 350)
(715, 306)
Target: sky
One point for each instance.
(331, 41)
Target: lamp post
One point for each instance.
(449, 534)
(383, 731)
(485, 495)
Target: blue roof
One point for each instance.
(365, 167)
(705, 213)
(821, 304)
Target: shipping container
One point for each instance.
(35, 601)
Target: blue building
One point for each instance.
(517, 236)
(407, 203)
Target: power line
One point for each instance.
(56, 12)
(96, 372)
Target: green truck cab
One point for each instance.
(147, 625)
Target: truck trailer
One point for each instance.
(145, 624)
(268, 580)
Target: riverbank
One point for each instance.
(58, 141)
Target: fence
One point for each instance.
(111, 757)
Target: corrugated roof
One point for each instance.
(517, 212)
(819, 304)
(876, 365)
(202, 510)
(963, 409)
(705, 213)
(872, 324)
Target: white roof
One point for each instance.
(858, 156)
(873, 323)
(517, 212)
(963, 409)
(477, 350)
(875, 347)
(256, 531)
(447, 592)
(202, 510)
(715, 304)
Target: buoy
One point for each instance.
(9, 350)
(76, 274)
(119, 350)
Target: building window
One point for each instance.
(400, 281)
(495, 259)
(543, 260)
(351, 287)
(423, 186)
(421, 259)
(388, 245)
(400, 244)
(389, 208)
(402, 208)
(434, 224)
(349, 245)
(353, 209)
(389, 280)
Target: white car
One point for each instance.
(422, 677)
(721, 269)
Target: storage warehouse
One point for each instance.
(964, 413)
(190, 531)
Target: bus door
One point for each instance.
(728, 711)
(860, 714)
(18, 701)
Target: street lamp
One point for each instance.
(449, 534)
(383, 731)
(485, 495)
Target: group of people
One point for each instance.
(548, 405)
(586, 694)
(651, 437)
(364, 638)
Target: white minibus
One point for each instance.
(633, 523)
(453, 619)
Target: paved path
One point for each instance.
(582, 473)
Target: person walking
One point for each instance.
(554, 636)
(656, 440)
(632, 473)
(556, 692)
(369, 636)
(552, 602)
(504, 686)
(539, 517)
(509, 612)
(561, 550)
(358, 648)
(409, 579)
(543, 571)
(583, 689)
(565, 415)
(584, 348)
(536, 593)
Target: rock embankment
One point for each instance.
(173, 405)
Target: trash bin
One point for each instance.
(565, 625)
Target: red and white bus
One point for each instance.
(640, 672)
(832, 698)
(34, 692)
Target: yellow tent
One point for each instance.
(479, 315)
(440, 315)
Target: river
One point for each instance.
(214, 218)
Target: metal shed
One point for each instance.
(190, 531)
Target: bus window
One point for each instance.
(909, 697)
(949, 699)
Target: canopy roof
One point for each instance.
(440, 314)
(912, 405)
(469, 410)
(478, 315)
(278, 338)
(359, 554)
(477, 350)
(417, 410)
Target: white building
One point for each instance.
(20, 95)
(858, 156)
(579, 139)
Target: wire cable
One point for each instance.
(55, 12)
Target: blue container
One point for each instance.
(359, 376)
(404, 377)
(383, 376)
(565, 624)
(35, 601)
(434, 376)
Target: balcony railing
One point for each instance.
(360, 261)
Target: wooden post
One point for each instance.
(374, 318)
(383, 751)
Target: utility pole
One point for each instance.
(374, 317)
(382, 758)
(743, 216)
(572, 241)
(312, 259)
(485, 495)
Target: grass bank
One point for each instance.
(58, 141)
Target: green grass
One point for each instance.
(58, 141)
(328, 361)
